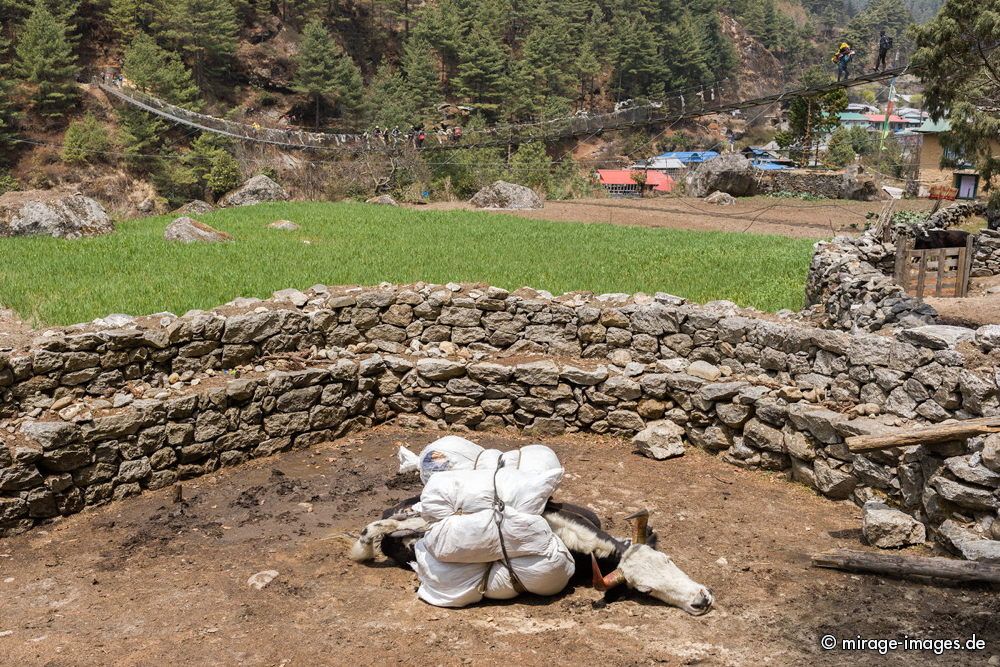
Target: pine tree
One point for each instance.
(811, 118)
(8, 112)
(420, 72)
(325, 72)
(389, 99)
(863, 30)
(160, 73)
(959, 65)
(129, 17)
(482, 66)
(202, 31)
(45, 64)
(688, 39)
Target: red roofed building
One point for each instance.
(896, 123)
(625, 182)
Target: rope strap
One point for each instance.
(498, 516)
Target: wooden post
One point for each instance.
(925, 435)
(965, 257)
(899, 565)
(921, 273)
(940, 272)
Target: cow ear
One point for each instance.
(643, 589)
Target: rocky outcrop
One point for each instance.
(195, 207)
(257, 190)
(383, 200)
(730, 173)
(188, 230)
(51, 213)
(506, 196)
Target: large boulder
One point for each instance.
(383, 200)
(730, 173)
(49, 213)
(187, 230)
(257, 190)
(506, 196)
(720, 199)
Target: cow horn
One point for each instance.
(605, 583)
(641, 520)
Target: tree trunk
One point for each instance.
(899, 565)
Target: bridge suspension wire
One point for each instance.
(671, 111)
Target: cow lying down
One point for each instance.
(633, 564)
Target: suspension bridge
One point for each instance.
(690, 104)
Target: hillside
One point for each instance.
(358, 65)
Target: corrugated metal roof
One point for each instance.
(930, 126)
(689, 157)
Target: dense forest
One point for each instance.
(357, 64)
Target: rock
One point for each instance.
(990, 456)
(964, 495)
(194, 207)
(188, 230)
(831, 482)
(291, 295)
(49, 213)
(261, 579)
(988, 337)
(970, 469)
(506, 196)
(859, 187)
(937, 336)
(383, 200)
(439, 369)
(720, 199)
(284, 225)
(660, 440)
(888, 528)
(968, 543)
(256, 190)
(730, 173)
(704, 370)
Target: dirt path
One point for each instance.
(149, 582)
(982, 306)
(759, 215)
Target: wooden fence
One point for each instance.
(936, 272)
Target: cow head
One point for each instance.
(652, 572)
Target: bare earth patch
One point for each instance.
(979, 308)
(147, 581)
(760, 215)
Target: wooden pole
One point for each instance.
(925, 435)
(899, 565)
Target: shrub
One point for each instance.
(85, 141)
(8, 183)
(224, 175)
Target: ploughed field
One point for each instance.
(149, 581)
(135, 271)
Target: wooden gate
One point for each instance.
(936, 272)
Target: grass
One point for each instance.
(135, 271)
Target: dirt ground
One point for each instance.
(760, 215)
(981, 306)
(147, 581)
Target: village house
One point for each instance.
(634, 183)
(941, 165)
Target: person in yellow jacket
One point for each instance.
(843, 59)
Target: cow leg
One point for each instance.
(398, 546)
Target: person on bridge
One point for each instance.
(843, 59)
(884, 45)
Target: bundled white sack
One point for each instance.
(475, 538)
(454, 453)
(462, 584)
(544, 574)
(465, 492)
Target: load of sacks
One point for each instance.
(480, 503)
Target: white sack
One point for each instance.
(474, 538)
(546, 574)
(454, 453)
(447, 584)
(459, 584)
(465, 492)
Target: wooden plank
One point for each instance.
(940, 272)
(921, 275)
(924, 435)
(899, 565)
(965, 266)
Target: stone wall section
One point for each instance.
(98, 415)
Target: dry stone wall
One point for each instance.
(92, 416)
(851, 285)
